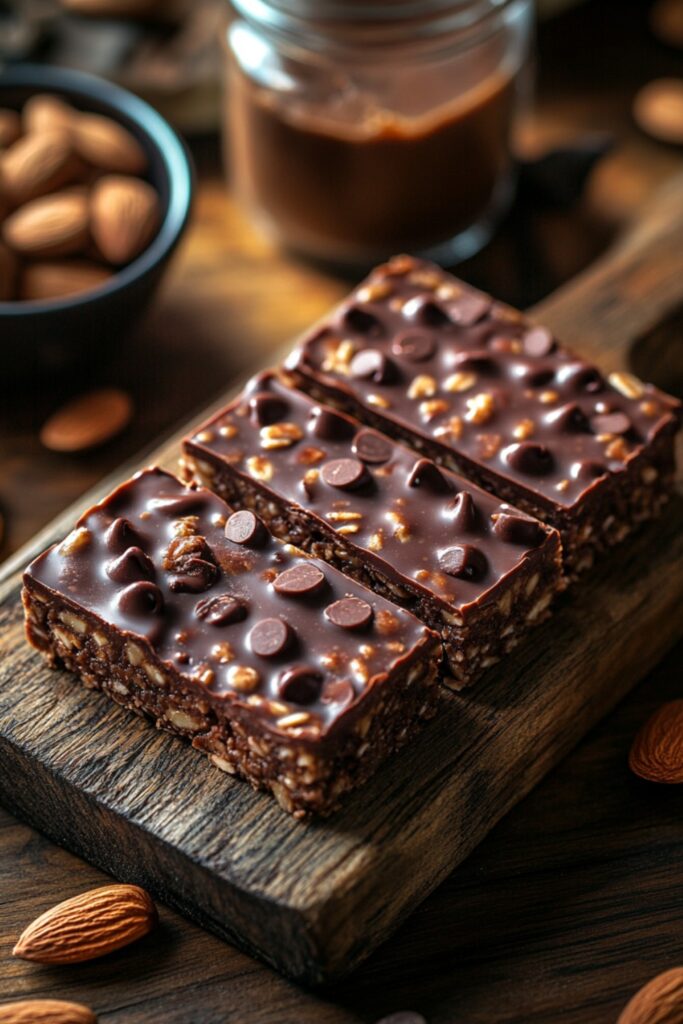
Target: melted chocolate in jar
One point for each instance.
(363, 191)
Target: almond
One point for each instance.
(108, 145)
(59, 278)
(8, 273)
(55, 225)
(88, 926)
(658, 109)
(10, 127)
(657, 750)
(658, 1002)
(46, 1011)
(37, 164)
(87, 421)
(45, 112)
(125, 217)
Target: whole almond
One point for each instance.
(55, 225)
(124, 217)
(106, 144)
(658, 1002)
(58, 279)
(88, 926)
(8, 273)
(45, 112)
(87, 421)
(46, 1011)
(658, 109)
(10, 127)
(37, 164)
(657, 750)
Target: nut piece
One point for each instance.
(627, 384)
(106, 144)
(88, 926)
(44, 112)
(37, 164)
(658, 1002)
(125, 217)
(75, 541)
(480, 408)
(243, 678)
(56, 279)
(46, 1011)
(422, 386)
(658, 109)
(55, 225)
(657, 750)
(87, 421)
(280, 435)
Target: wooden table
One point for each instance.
(574, 899)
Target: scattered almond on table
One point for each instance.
(72, 192)
(88, 420)
(658, 1002)
(45, 1011)
(658, 109)
(657, 750)
(88, 926)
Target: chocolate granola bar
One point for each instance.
(278, 667)
(475, 386)
(471, 567)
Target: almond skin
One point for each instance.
(108, 145)
(124, 217)
(37, 164)
(88, 926)
(87, 421)
(58, 279)
(55, 225)
(10, 127)
(658, 1002)
(45, 112)
(657, 750)
(46, 1011)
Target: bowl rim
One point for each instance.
(169, 146)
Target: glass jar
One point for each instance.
(361, 128)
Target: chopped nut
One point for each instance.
(375, 291)
(187, 526)
(379, 401)
(649, 475)
(181, 720)
(348, 528)
(260, 468)
(453, 428)
(523, 430)
(227, 430)
(548, 397)
(66, 638)
(366, 650)
(100, 639)
(422, 386)
(71, 620)
(280, 435)
(293, 720)
(386, 622)
(649, 408)
(75, 541)
(360, 669)
(222, 652)
(243, 678)
(339, 357)
(426, 279)
(433, 407)
(461, 381)
(135, 654)
(562, 485)
(399, 265)
(218, 519)
(205, 436)
(627, 384)
(204, 675)
(223, 764)
(376, 542)
(480, 408)
(617, 449)
(310, 455)
(489, 445)
(153, 673)
(401, 527)
(343, 517)
(310, 477)
(447, 290)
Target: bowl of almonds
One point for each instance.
(95, 193)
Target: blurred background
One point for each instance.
(595, 125)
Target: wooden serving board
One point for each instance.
(314, 899)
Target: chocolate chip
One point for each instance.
(569, 418)
(196, 575)
(538, 342)
(221, 611)
(464, 561)
(427, 475)
(141, 599)
(179, 505)
(349, 613)
(468, 309)
(422, 309)
(413, 346)
(266, 408)
(372, 447)
(611, 423)
(477, 359)
(132, 565)
(587, 469)
(121, 534)
(345, 474)
(300, 580)
(530, 458)
(580, 377)
(270, 637)
(338, 691)
(245, 527)
(329, 425)
(515, 529)
(371, 364)
(361, 321)
(462, 512)
(300, 684)
(534, 375)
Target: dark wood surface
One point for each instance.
(575, 898)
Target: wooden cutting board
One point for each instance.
(314, 899)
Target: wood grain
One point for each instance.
(315, 900)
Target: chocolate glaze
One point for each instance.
(421, 512)
(239, 617)
(481, 382)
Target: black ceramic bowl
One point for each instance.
(54, 333)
